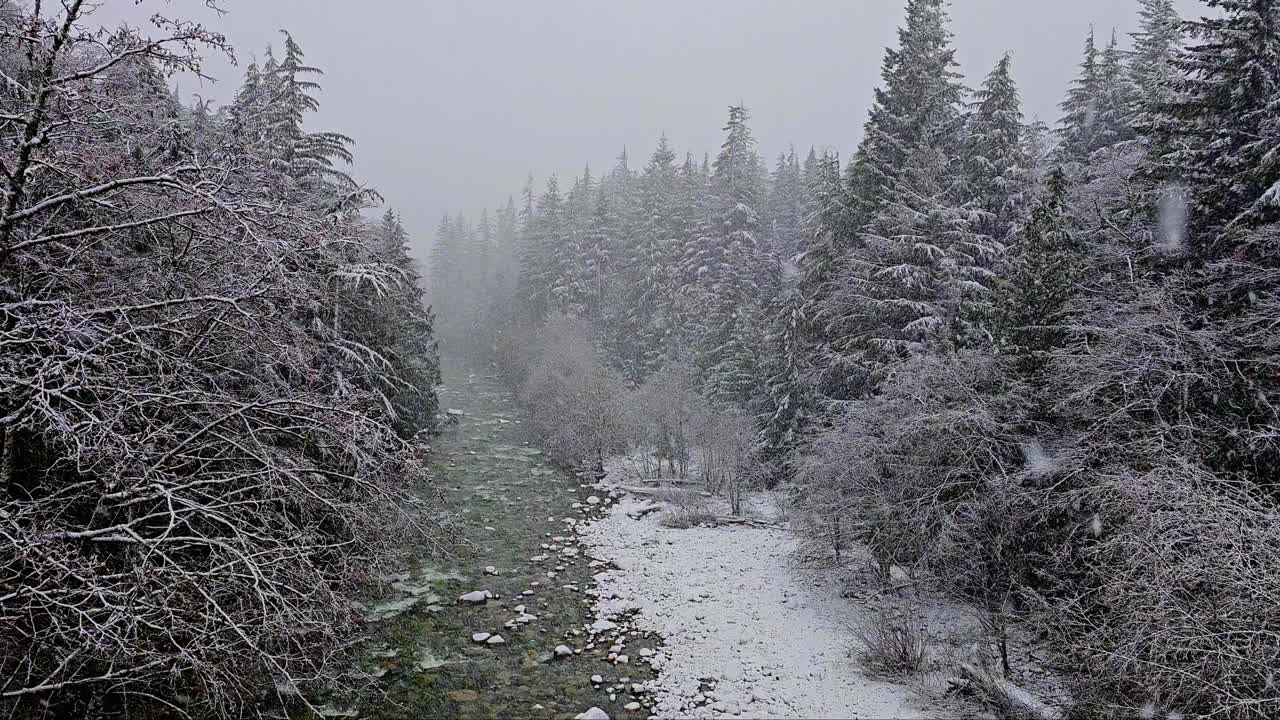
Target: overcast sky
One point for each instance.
(453, 102)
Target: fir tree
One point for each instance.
(787, 403)
(541, 254)
(1220, 131)
(303, 156)
(921, 94)
(784, 213)
(1152, 60)
(730, 266)
(920, 281)
(1039, 278)
(1078, 126)
(996, 165)
(1116, 94)
(653, 265)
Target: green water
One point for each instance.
(510, 503)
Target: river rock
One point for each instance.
(475, 597)
(593, 500)
(594, 713)
(495, 640)
(632, 706)
(563, 651)
(480, 636)
(597, 679)
(603, 625)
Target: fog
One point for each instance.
(448, 100)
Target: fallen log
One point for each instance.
(735, 520)
(1018, 701)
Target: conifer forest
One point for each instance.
(978, 419)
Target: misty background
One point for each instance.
(448, 99)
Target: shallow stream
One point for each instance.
(512, 507)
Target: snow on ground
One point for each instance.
(743, 634)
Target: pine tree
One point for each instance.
(996, 165)
(1220, 131)
(1039, 278)
(730, 267)
(784, 213)
(1152, 60)
(1078, 126)
(921, 94)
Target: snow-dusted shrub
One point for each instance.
(1158, 585)
(893, 638)
(668, 410)
(894, 467)
(1170, 593)
(727, 441)
(685, 509)
(576, 404)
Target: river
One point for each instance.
(511, 508)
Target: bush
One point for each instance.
(893, 468)
(669, 409)
(1173, 595)
(685, 509)
(727, 439)
(576, 404)
(893, 639)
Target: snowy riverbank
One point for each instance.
(742, 635)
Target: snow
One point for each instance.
(1173, 217)
(475, 597)
(1038, 462)
(728, 610)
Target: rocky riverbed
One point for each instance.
(502, 627)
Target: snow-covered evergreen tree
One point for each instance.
(784, 207)
(570, 275)
(920, 281)
(1116, 95)
(730, 265)
(1152, 61)
(785, 407)
(1220, 132)
(653, 266)
(996, 164)
(1038, 277)
(921, 94)
(540, 254)
(1079, 123)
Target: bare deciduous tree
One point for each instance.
(199, 469)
